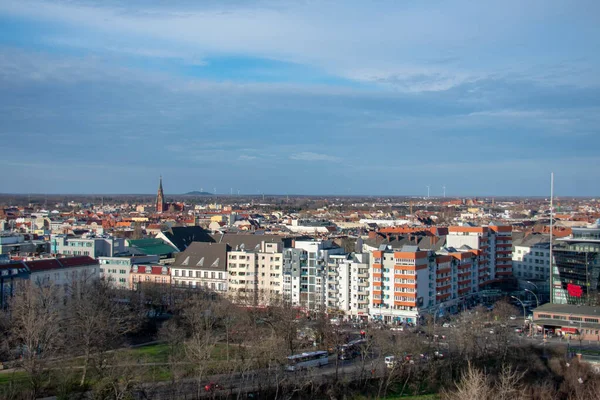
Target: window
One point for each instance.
(176, 272)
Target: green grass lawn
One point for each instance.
(159, 353)
(17, 376)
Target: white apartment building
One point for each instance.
(348, 285)
(116, 270)
(63, 271)
(531, 262)
(308, 282)
(202, 265)
(92, 246)
(256, 274)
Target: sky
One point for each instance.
(377, 97)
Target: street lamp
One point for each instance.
(536, 298)
(524, 312)
(536, 286)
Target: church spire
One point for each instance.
(160, 198)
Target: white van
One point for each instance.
(390, 361)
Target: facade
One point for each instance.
(149, 274)
(395, 277)
(531, 263)
(576, 268)
(63, 271)
(308, 284)
(348, 285)
(16, 243)
(242, 276)
(294, 261)
(501, 251)
(202, 265)
(12, 277)
(116, 270)
(494, 245)
(92, 246)
(407, 283)
(568, 320)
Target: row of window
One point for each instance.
(198, 274)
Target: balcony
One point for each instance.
(362, 293)
(363, 275)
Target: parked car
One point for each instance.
(513, 317)
(212, 386)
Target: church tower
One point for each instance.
(160, 198)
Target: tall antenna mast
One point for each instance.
(428, 191)
(551, 235)
(444, 187)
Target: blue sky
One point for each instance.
(300, 97)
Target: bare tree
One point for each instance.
(509, 385)
(97, 320)
(472, 385)
(35, 329)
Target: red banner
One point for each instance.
(574, 290)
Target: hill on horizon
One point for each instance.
(197, 193)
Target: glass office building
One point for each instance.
(576, 267)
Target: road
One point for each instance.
(255, 381)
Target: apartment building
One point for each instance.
(407, 283)
(256, 273)
(501, 250)
(295, 261)
(16, 243)
(531, 263)
(149, 274)
(348, 285)
(92, 246)
(395, 277)
(202, 265)
(308, 284)
(116, 270)
(63, 271)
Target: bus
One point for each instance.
(307, 360)
(351, 349)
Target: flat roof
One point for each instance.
(569, 309)
(564, 323)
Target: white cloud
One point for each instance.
(310, 156)
(391, 43)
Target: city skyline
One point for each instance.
(308, 98)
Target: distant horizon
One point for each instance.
(439, 197)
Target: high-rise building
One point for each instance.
(409, 283)
(576, 269)
(305, 273)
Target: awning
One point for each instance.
(567, 329)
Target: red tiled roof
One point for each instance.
(57, 263)
(77, 261)
(43, 265)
